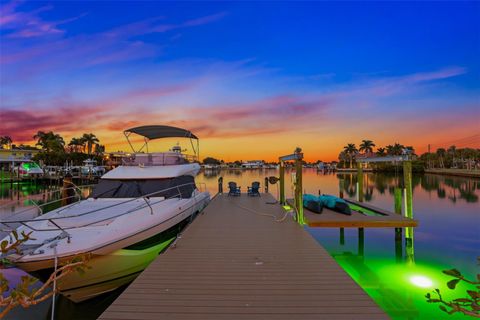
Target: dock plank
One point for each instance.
(236, 261)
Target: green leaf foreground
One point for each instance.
(469, 305)
(23, 294)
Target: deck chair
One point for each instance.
(233, 190)
(254, 189)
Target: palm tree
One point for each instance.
(441, 152)
(5, 140)
(342, 157)
(76, 144)
(99, 149)
(367, 146)
(350, 150)
(90, 139)
(381, 152)
(49, 141)
(452, 150)
(395, 150)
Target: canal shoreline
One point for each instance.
(455, 172)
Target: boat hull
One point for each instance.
(110, 271)
(114, 265)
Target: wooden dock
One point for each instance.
(237, 260)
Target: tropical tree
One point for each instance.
(350, 150)
(99, 149)
(342, 157)
(441, 153)
(367, 146)
(451, 151)
(90, 139)
(210, 160)
(76, 144)
(381, 152)
(49, 141)
(5, 140)
(470, 155)
(395, 150)
(409, 149)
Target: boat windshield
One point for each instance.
(177, 187)
(156, 159)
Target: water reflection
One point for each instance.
(381, 260)
(451, 188)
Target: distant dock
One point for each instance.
(244, 258)
(455, 172)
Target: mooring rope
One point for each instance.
(264, 214)
(54, 279)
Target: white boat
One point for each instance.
(90, 168)
(132, 215)
(28, 170)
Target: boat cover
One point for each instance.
(109, 188)
(157, 132)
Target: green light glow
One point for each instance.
(421, 281)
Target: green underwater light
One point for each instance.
(421, 281)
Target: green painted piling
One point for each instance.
(398, 200)
(359, 182)
(299, 192)
(407, 179)
(408, 195)
(361, 242)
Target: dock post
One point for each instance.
(407, 177)
(361, 241)
(282, 183)
(398, 231)
(342, 236)
(220, 185)
(359, 182)
(67, 190)
(408, 195)
(266, 184)
(299, 191)
(341, 187)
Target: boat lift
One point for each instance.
(297, 156)
(406, 159)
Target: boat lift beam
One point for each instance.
(400, 158)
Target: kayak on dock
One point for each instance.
(317, 203)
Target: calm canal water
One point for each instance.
(448, 236)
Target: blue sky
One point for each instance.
(278, 73)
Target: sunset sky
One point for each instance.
(252, 80)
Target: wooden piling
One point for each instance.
(282, 183)
(407, 178)
(341, 187)
(299, 191)
(220, 185)
(67, 190)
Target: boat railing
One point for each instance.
(46, 194)
(54, 220)
(158, 159)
